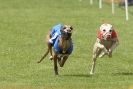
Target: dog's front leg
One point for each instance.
(93, 64)
(102, 47)
(114, 45)
(63, 60)
(96, 52)
(55, 64)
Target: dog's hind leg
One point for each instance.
(55, 65)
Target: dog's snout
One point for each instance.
(109, 34)
(69, 31)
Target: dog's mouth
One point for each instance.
(66, 35)
(108, 36)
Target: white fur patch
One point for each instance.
(106, 27)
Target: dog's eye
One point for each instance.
(64, 27)
(69, 31)
(110, 30)
(104, 30)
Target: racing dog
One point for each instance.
(59, 38)
(106, 42)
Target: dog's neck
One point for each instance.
(64, 44)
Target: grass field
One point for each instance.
(23, 27)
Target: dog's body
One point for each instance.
(106, 42)
(59, 38)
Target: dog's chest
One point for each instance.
(107, 43)
(64, 45)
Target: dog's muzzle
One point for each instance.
(107, 36)
(66, 35)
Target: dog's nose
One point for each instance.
(69, 31)
(109, 35)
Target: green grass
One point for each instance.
(23, 27)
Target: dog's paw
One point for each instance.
(91, 73)
(51, 57)
(110, 55)
(102, 55)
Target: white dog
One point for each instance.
(106, 42)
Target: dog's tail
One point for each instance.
(43, 56)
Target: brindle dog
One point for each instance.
(62, 47)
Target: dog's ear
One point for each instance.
(71, 27)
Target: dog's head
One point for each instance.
(106, 31)
(66, 31)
